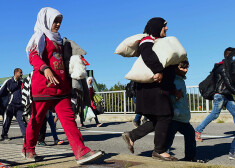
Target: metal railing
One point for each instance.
(118, 102)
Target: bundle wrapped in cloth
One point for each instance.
(169, 51)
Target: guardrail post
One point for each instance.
(207, 106)
(124, 94)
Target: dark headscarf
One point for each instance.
(154, 26)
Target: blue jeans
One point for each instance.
(220, 101)
(137, 118)
(232, 148)
(50, 120)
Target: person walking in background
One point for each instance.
(50, 119)
(51, 87)
(152, 99)
(222, 98)
(11, 92)
(137, 119)
(180, 122)
(92, 93)
(131, 93)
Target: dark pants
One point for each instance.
(7, 118)
(189, 138)
(42, 133)
(158, 124)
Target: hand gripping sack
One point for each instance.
(207, 87)
(169, 52)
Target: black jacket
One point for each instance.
(11, 90)
(223, 84)
(154, 98)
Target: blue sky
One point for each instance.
(204, 27)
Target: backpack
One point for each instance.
(26, 94)
(207, 86)
(131, 89)
(229, 67)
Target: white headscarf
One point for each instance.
(89, 86)
(45, 20)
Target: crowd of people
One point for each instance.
(163, 102)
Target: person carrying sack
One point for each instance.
(153, 99)
(51, 87)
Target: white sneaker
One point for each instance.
(90, 156)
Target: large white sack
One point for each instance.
(140, 72)
(169, 52)
(77, 68)
(129, 46)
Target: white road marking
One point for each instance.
(112, 132)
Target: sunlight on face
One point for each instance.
(163, 32)
(90, 81)
(56, 25)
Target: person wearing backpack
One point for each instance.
(131, 93)
(51, 87)
(224, 88)
(11, 91)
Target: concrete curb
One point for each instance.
(195, 117)
(125, 160)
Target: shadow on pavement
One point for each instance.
(205, 139)
(100, 137)
(232, 133)
(211, 152)
(146, 153)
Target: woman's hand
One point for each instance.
(158, 77)
(49, 76)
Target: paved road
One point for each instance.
(214, 148)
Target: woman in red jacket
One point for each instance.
(50, 87)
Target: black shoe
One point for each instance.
(126, 137)
(156, 155)
(5, 138)
(42, 143)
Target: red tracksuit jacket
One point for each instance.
(42, 89)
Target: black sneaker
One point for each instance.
(5, 138)
(31, 156)
(42, 143)
(90, 156)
